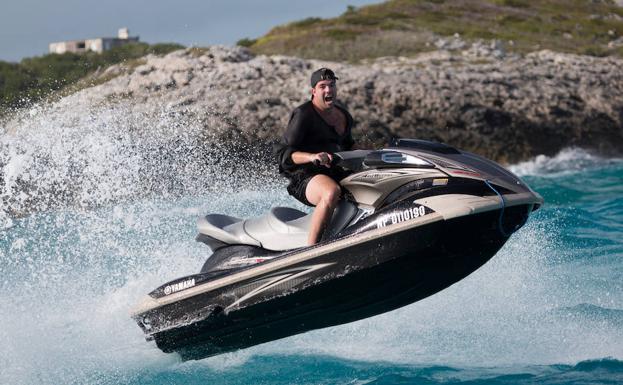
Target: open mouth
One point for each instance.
(328, 98)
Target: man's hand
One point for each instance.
(322, 159)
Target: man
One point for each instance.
(316, 129)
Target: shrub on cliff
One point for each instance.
(408, 27)
(33, 78)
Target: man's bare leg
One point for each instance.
(324, 193)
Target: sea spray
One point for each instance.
(109, 154)
(71, 277)
(92, 219)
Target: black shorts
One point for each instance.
(297, 188)
(299, 181)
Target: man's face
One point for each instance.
(325, 93)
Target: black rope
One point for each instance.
(500, 226)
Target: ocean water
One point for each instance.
(102, 223)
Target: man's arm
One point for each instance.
(301, 157)
(295, 133)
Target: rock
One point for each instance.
(616, 43)
(506, 107)
(154, 128)
(480, 49)
(450, 44)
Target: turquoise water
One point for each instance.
(548, 308)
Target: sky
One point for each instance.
(28, 26)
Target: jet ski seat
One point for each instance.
(282, 228)
(227, 229)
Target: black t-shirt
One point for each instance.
(308, 132)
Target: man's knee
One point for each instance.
(331, 195)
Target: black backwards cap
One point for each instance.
(322, 74)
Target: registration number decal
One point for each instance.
(400, 216)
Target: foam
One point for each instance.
(567, 161)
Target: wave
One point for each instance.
(605, 364)
(325, 369)
(596, 314)
(567, 161)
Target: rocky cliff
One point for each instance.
(165, 125)
(508, 108)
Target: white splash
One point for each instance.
(567, 161)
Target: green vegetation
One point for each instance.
(246, 42)
(34, 78)
(408, 27)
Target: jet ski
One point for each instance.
(416, 217)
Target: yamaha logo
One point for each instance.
(174, 288)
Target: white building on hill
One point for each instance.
(99, 45)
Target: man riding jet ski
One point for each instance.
(417, 217)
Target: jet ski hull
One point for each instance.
(361, 280)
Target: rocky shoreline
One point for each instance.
(506, 107)
(200, 120)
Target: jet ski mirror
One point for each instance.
(386, 158)
(350, 160)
